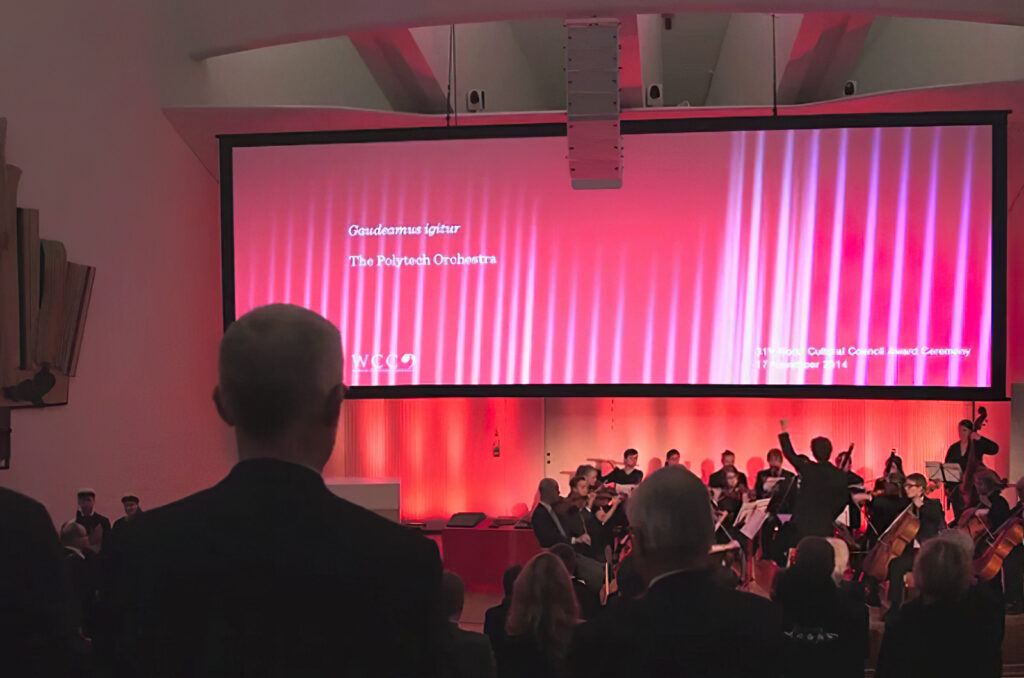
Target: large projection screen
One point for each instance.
(831, 256)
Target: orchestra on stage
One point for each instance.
(883, 523)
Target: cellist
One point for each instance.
(1013, 564)
(931, 517)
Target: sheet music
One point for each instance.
(771, 482)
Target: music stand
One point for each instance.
(943, 473)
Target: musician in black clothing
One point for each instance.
(629, 474)
(718, 479)
(1013, 564)
(823, 491)
(930, 516)
(774, 470)
(957, 454)
(672, 458)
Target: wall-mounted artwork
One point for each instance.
(44, 300)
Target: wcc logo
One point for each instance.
(383, 362)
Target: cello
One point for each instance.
(1009, 535)
(891, 544)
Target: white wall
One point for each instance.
(488, 57)
(743, 74)
(119, 187)
(316, 73)
(905, 53)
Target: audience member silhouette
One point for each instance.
(495, 617)
(81, 568)
(589, 600)
(268, 572)
(945, 604)
(540, 621)
(826, 632)
(684, 625)
(470, 653)
(37, 621)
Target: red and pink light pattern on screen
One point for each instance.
(758, 257)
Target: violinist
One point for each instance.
(774, 470)
(957, 454)
(672, 458)
(717, 478)
(731, 498)
(580, 517)
(930, 516)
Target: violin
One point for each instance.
(891, 544)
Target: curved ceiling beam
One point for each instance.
(214, 28)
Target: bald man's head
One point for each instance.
(280, 383)
(670, 517)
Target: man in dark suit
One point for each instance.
(96, 525)
(718, 479)
(268, 572)
(470, 652)
(549, 530)
(774, 470)
(37, 621)
(823, 489)
(684, 625)
(81, 567)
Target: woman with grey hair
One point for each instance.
(946, 603)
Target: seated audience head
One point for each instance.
(986, 481)
(672, 458)
(544, 606)
(548, 490)
(775, 458)
(942, 568)
(130, 502)
(821, 448)
(670, 518)
(728, 458)
(453, 595)
(508, 580)
(966, 428)
(280, 384)
(567, 555)
(86, 501)
(579, 485)
(815, 558)
(630, 457)
(842, 557)
(73, 534)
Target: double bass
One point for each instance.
(967, 489)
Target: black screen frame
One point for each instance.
(996, 119)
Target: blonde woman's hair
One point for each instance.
(544, 606)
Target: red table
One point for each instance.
(481, 554)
